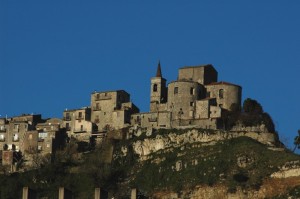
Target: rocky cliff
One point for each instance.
(198, 163)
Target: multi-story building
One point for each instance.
(111, 109)
(50, 136)
(196, 98)
(78, 123)
(16, 129)
(30, 134)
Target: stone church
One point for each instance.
(196, 99)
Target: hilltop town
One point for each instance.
(195, 99)
(197, 137)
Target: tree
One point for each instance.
(297, 141)
(254, 115)
(252, 106)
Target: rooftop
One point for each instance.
(222, 83)
(199, 66)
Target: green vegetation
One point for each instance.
(209, 165)
(240, 162)
(250, 114)
(297, 141)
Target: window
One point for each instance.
(81, 127)
(42, 135)
(67, 126)
(191, 103)
(192, 91)
(221, 93)
(80, 114)
(16, 137)
(2, 138)
(68, 117)
(97, 106)
(155, 88)
(191, 113)
(97, 119)
(175, 90)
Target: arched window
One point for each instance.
(221, 93)
(154, 87)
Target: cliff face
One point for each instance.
(205, 137)
(197, 163)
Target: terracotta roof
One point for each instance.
(222, 83)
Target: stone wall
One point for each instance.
(202, 74)
(225, 93)
(182, 96)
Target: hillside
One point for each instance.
(205, 165)
(231, 166)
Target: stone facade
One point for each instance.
(111, 110)
(196, 98)
(30, 134)
(14, 130)
(78, 123)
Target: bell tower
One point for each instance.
(158, 94)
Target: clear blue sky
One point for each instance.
(53, 54)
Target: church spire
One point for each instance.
(158, 72)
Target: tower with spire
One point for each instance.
(158, 94)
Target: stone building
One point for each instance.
(50, 136)
(78, 123)
(30, 134)
(15, 130)
(196, 98)
(111, 110)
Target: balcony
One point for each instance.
(67, 118)
(2, 139)
(68, 128)
(3, 130)
(15, 139)
(41, 140)
(79, 118)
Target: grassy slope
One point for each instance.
(215, 165)
(207, 165)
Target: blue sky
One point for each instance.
(53, 54)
